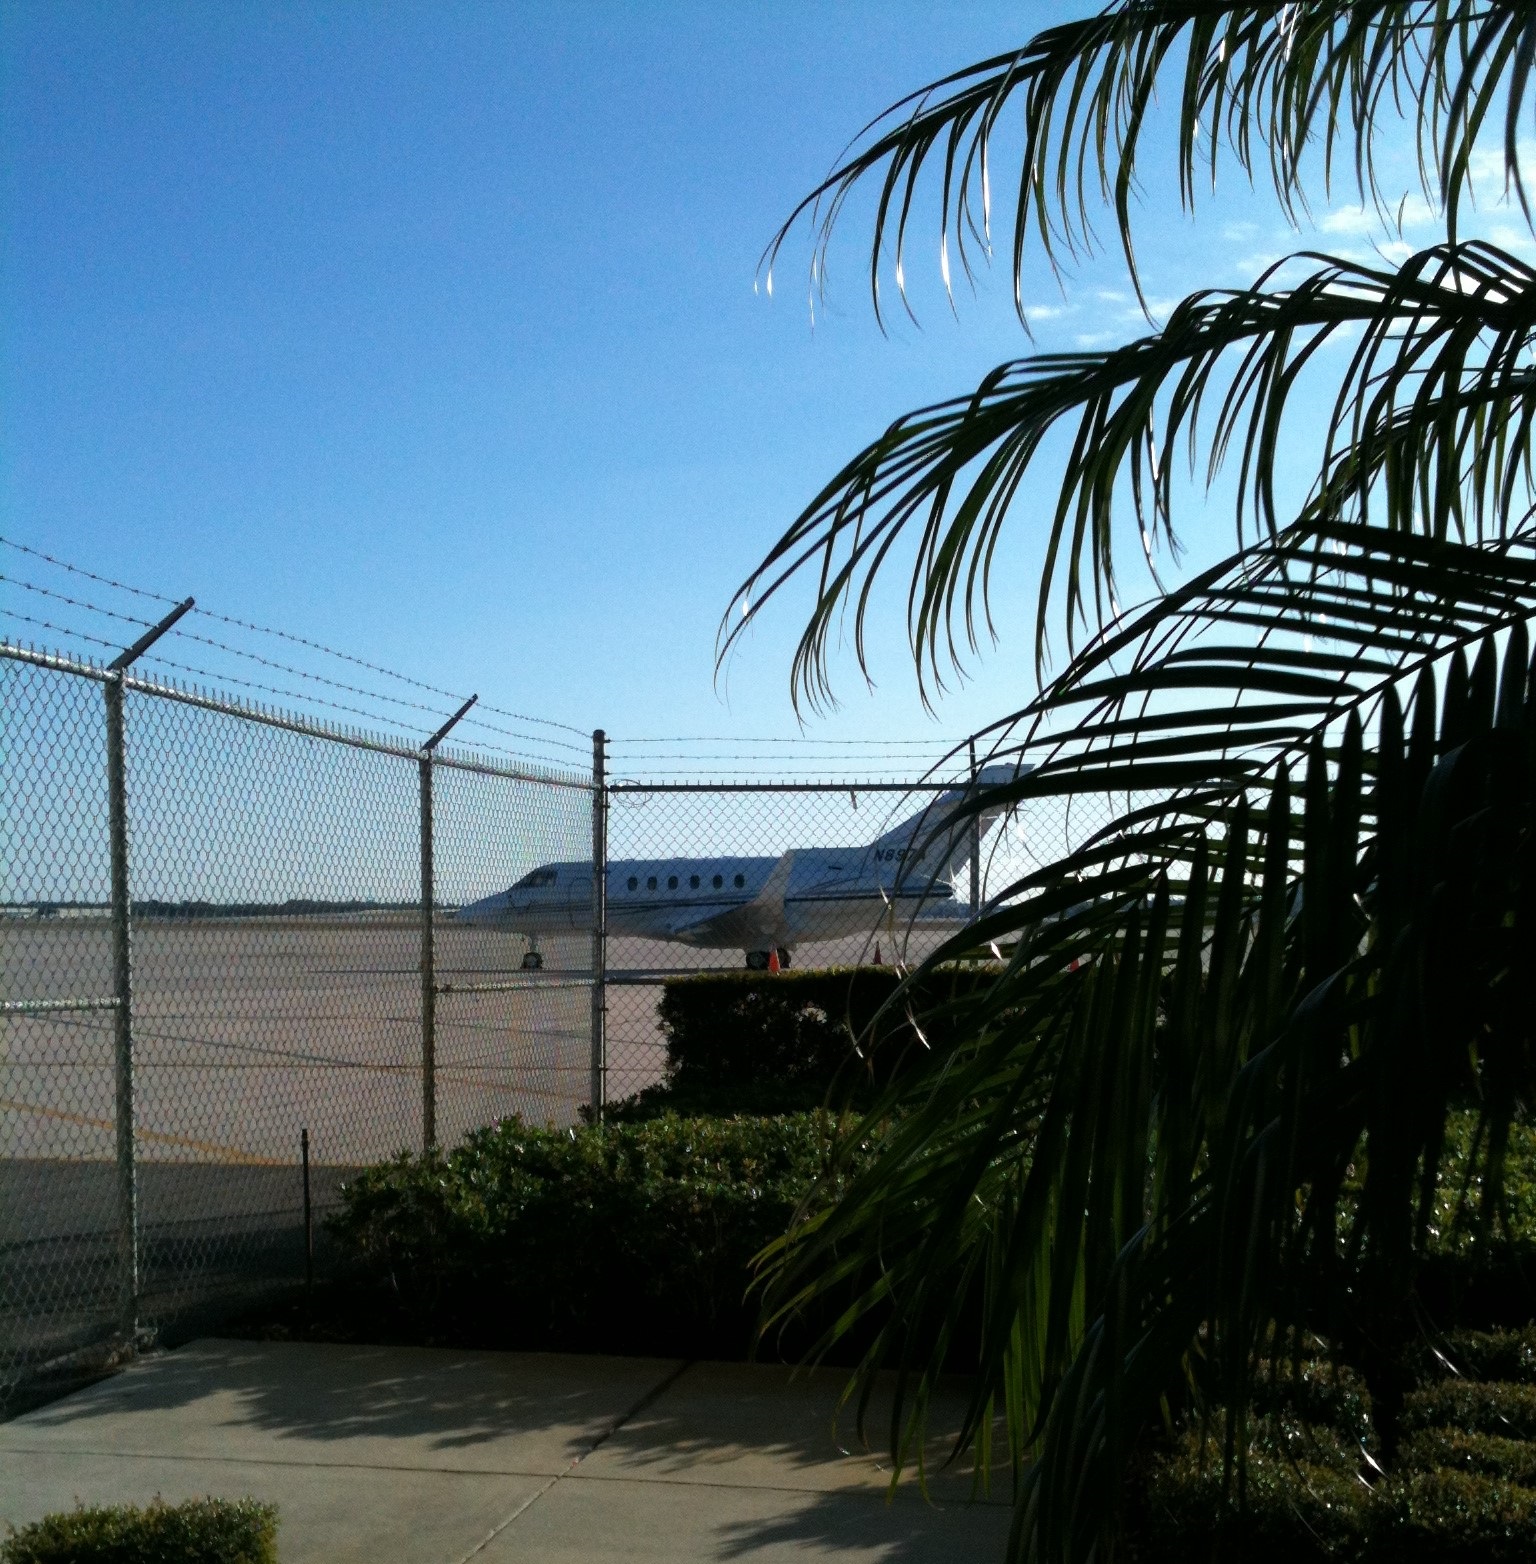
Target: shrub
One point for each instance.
(1475, 1354)
(1506, 1410)
(783, 1042)
(1290, 1510)
(614, 1237)
(1482, 1455)
(1295, 1510)
(1452, 1518)
(201, 1531)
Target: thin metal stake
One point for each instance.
(309, 1222)
(598, 1087)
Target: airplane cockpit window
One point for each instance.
(634, 883)
(535, 878)
(693, 881)
(719, 881)
(741, 880)
(671, 882)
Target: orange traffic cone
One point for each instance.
(877, 961)
(773, 958)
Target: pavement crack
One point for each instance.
(659, 1389)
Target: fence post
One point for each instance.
(428, 937)
(428, 968)
(122, 974)
(122, 1016)
(599, 1083)
(975, 844)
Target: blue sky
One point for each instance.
(429, 332)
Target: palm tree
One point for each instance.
(1199, 1115)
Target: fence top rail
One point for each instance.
(453, 759)
(788, 787)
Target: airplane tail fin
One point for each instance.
(933, 843)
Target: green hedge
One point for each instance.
(201, 1531)
(615, 1237)
(1463, 1487)
(1508, 1410)
(756, 1042)
(1482, 1455)
(1315, 1507)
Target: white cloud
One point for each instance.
(1518, 241)
(1412, 212)
(1349, 220)
(1094, 339)
(1110, 295)
(1239, 233)
(1251, 267)
(1048, 311)
(1486, 170)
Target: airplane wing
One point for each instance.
(752, 926)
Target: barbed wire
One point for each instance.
(389, 673)
(90, 575)
(881, 750)
(76, 602)
(882, 756)
(800, 742)
(436, 713)
(390, 722)
(44, 624)
(284, 635)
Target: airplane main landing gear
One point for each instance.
(758, 960)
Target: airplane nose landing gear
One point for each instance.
(533, 958)
(762, 960)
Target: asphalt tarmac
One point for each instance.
(248, 1031)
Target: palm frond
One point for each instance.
(1429, 429)
(1298, 952)
(1267, 84)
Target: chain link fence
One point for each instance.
(832, 874)
(245, 954)
(228, 937)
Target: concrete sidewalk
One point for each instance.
(389, 1455)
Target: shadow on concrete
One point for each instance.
(906, 1531)
(303, 1392)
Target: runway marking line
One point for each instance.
(223, 1153)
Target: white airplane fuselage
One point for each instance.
(906, 876)
(723, 903)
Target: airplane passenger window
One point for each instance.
(634, 883)
(693, 880)
(671, 882)
(741, 880)
(719, 881)
(650, 883)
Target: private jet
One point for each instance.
(763, 906)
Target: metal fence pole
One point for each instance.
(975, 845)
(122, 1019)
(599, 1082)
(428, 937)
(122, 974)
(428, 968)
